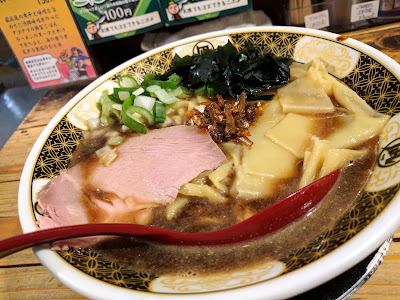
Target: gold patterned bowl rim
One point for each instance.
(283, 286)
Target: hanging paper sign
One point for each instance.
(364, 11)
(106, 20)
(182, 11)
(45, 40)
(317, 20)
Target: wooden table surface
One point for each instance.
(21, 274)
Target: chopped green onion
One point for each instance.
(165, 97)
(200, 90)
(171, 85)
(142, 112)
(117, 106)
(174, 77)
(136, 104)
(153, 88)
(146, 78)
(107, 111)
(93, 123)
(145, 102)
(114, 98)
(180, 92)
(138, 92)
(211, 92)
(88, 146)
(130, 121)
(127, 81)
(117, 90)
(111, 133)
(133, 124)
(115, 140)
(125, 128)
(130, 90)
(106, 155)
(159, 112)
(123, 95)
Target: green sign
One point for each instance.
(106, 20)
(182, 11)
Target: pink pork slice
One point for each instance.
(149, 171)
(152, 167)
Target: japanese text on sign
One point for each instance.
(46, 41)
(42, 67)
(106, 20)
(185, 9)
(317, 20)
(364, 11)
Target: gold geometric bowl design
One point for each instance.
(370, 79)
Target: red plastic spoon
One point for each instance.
(263, 223)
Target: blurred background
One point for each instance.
(17, 96)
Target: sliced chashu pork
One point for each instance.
(149, 171)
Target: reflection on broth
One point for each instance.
(192, 261)
(313, 126)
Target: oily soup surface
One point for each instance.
(188, 261)
(314, 125)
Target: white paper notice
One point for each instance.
(364, 11)
(42, 67)
(126, 25)
(317, 20)
(205, 7)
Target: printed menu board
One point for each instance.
(106, 20)
(182, 11)
(45, 40)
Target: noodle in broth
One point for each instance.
(313, 125)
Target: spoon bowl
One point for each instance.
(267, 221)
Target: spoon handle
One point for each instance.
(40, 237)
(269, 220)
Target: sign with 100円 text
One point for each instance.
(107, 20)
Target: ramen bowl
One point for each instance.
(358, 232)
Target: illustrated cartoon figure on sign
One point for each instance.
(78, 58)
(175, 7)
(76, 65)
(93, 27)
(64, 64)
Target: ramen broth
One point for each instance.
(198, 214)
(193, 213)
